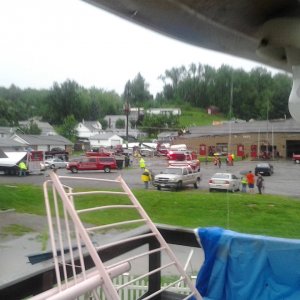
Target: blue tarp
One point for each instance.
(248, 267)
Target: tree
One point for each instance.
(64, 100)
(136, 91)
(67, 129)
(104, 124)
(120, 124)
(31, 128)
(153, 124)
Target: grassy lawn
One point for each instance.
(197, 117)
(257, 214)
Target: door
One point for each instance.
(254, 151)
(240, 150)
(202, 150)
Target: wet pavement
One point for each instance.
(284, 181)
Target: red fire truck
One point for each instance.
(184, 158)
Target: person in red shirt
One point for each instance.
(251, 180)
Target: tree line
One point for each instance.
(257, 94)
(237, 93)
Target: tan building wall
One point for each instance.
(245, 139)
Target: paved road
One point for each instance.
(284, 181)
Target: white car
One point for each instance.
(55, 163)
(224, 181)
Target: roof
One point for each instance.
(104, 136)
(7, 130)
(8, 142)
(91, 125)
(277, 126)
(234, 27)
(44, 126)
(12, 158)
(31, 139)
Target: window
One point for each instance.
(107, 159)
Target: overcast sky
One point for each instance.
(43, 41)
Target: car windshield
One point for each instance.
(175, 171)
(262, 166)
(221, 175)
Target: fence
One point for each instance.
(138, 288)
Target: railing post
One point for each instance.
(154, 263)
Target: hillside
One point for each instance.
(197, 117)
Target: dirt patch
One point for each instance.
(36, 223)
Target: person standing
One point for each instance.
(142, 163)
(251, 180)
(22, 168)
(146, 177)
(260, 183)
(219, 162)
(244, 183)
(215, 161)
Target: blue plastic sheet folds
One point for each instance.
(248, 267)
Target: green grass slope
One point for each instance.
(193, 116)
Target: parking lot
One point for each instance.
(284, 181)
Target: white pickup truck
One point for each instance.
(176, 178)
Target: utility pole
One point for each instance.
(127, 109)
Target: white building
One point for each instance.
(105, 140)
(164, 111)
(86, 129)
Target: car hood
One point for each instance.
(169, 176)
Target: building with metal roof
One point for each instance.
(273, 138)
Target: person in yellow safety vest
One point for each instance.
(244, 183)
(146, 177)
(142, 163)
(22, 168)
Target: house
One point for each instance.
(132, 133)
(42, 142)
(112, 120)
(10, 145)
(164, 111)
(105, 140)
(86, 129)
(46, 128)
(213, 110)
(6, 132)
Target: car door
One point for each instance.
(235, 182)
(190, 176)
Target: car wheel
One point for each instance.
(158, 188)
(195, 185)
(210, 190)
(107, 169)
(74, 170)
(297, 161)
(52, 166)
(179, 185)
